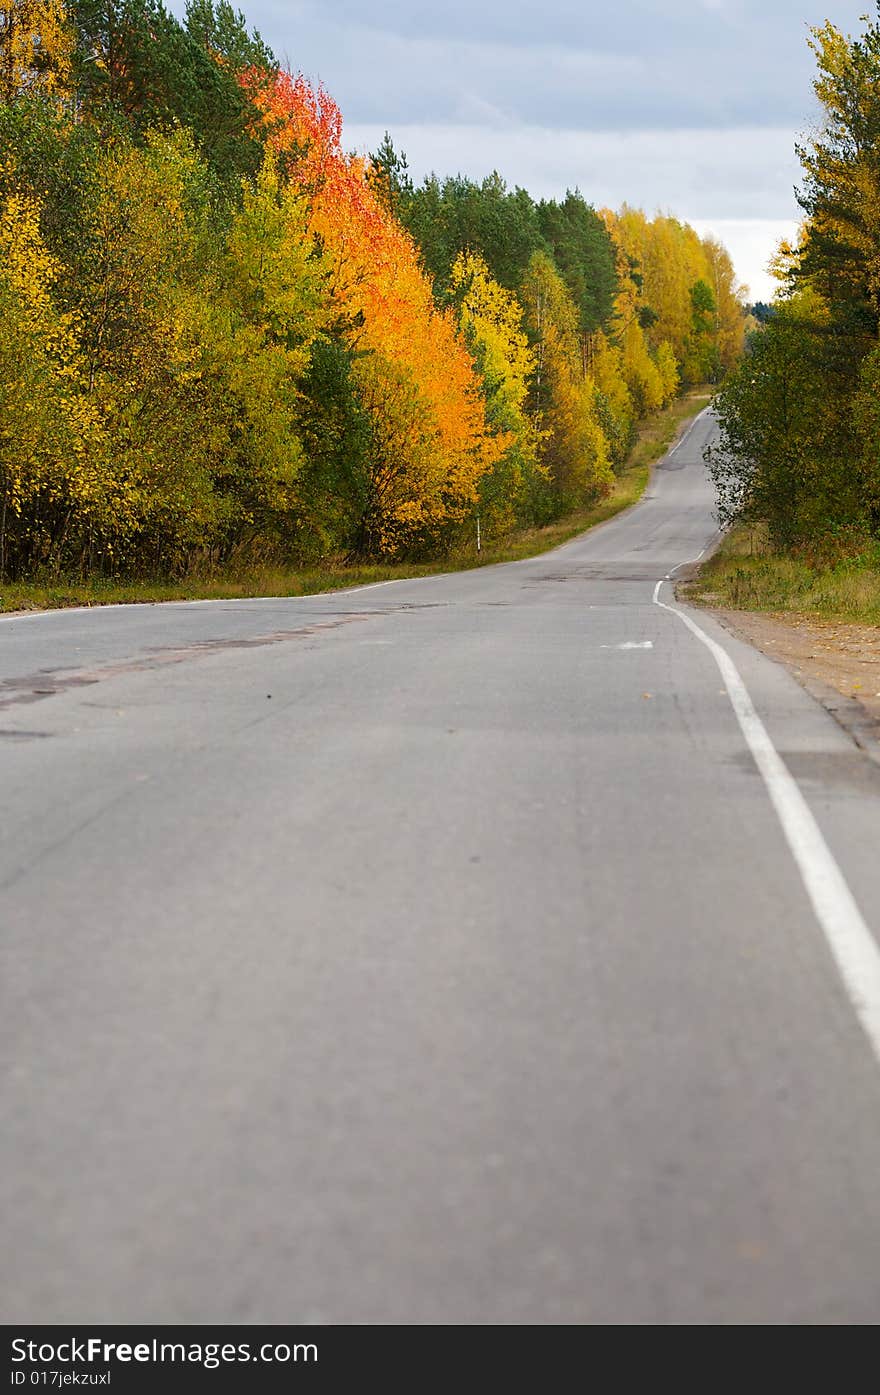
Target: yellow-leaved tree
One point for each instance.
(491, 320)
(270, 308)
(564, 398)
(35, 48)
(196, 341)
(49, 435)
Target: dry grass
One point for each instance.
(745, 574)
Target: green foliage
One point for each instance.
(840, 255)
(505, 227)
(704, 307)
(800, 445)
(585, 256)
(491, 319)
(135, 64)
(337, 435)
(459, 215)
(218, 339)
(141, 279)
(389, 176)
(574, 449)
(260, 327)
(702, 362)
(46, 157)
(222, 32)
(787, 454)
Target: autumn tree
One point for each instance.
(50, 438)
(136, 64)
(273, 307)
(35, 49)
(730, 309)
(221, 335)
(682, 290)
(841, 190)
(414, 372)
(141, 283)
(799, 443)
(491, 321)
(634, 320)
(574, 448)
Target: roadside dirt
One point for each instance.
(838, 663)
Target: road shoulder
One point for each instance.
(836, 662)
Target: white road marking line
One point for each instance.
(348, 591)
(367, 586)
(38, 614)
(217, 600)
(692, 561)
(697, 418)
(630, 644)
(852, 945)
(115, 606)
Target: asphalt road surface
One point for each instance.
(436, 952)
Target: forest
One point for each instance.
(799, 455)
(224, 337)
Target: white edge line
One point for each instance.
(347, 591)
(680, 443)
(852, 945)
(210, 600)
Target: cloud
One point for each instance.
(696, 173)
(562, 63)
(707, 178)
(688, 105)
(751, 243)
(626, 26)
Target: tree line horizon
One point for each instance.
(224, 338)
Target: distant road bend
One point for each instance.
(468, 949)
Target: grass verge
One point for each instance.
(745, 574)
(654, 438)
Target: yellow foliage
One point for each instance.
(661, 262)
(575, 449)
(35, 48)
(729, 295)
(28, 273)
(381, 292)
(491, 320)
(668, 370)
(843, 159)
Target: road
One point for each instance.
(428, 953)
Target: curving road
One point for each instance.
(435, 952)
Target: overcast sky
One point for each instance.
(688, 106)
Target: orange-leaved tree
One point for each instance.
(419, 386)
